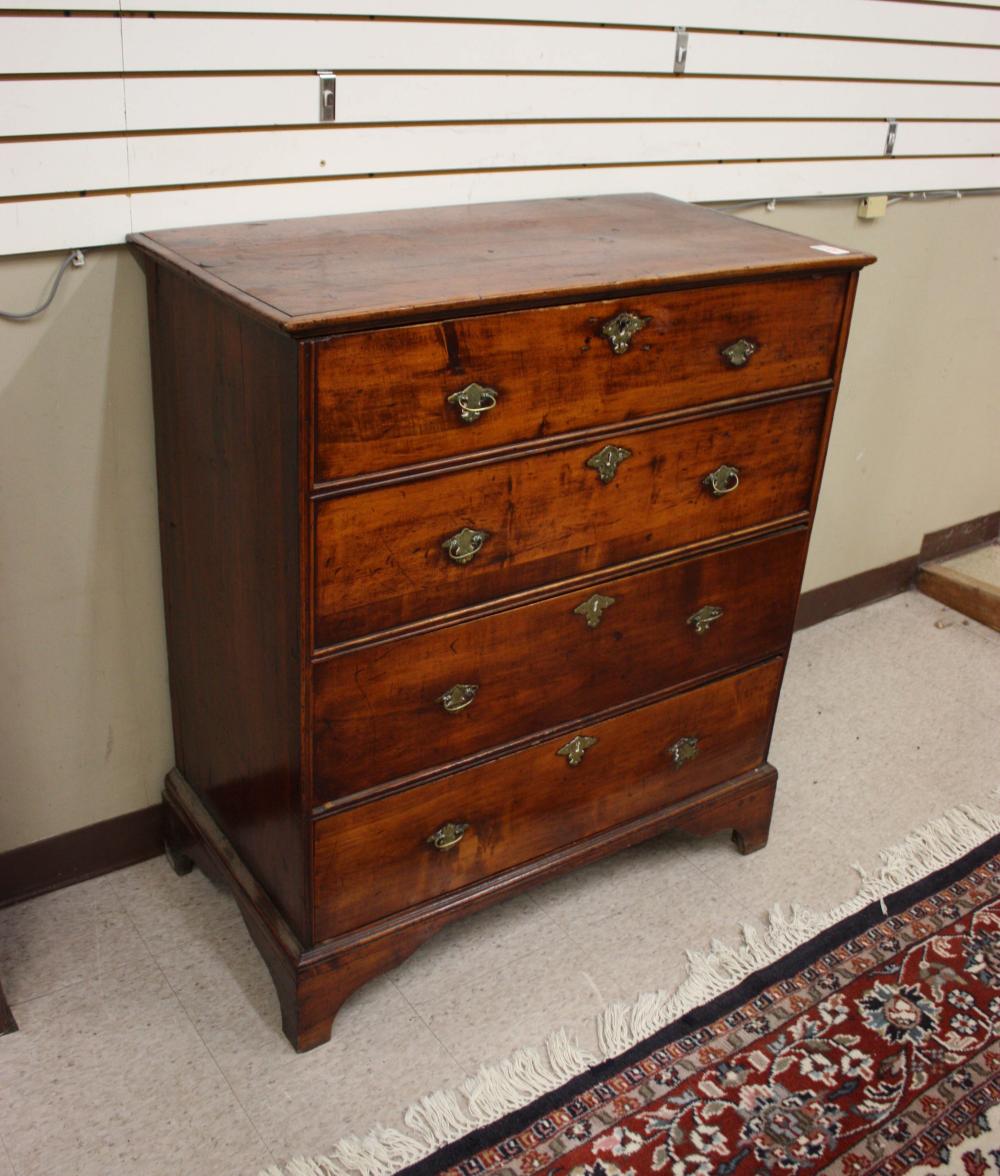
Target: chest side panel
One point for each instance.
(227, 447)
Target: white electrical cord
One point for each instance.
(76, 259)
(894, 198)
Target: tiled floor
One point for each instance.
(149, 1039)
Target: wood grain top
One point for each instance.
(323, 274)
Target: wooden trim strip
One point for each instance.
(80, 854)
(831, 600)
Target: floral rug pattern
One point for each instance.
(879, 1057)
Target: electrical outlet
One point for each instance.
(872, 207)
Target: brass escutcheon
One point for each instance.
(683, 751)
(619, 330)
(458, 697)
(465, 544)
(703, 618)
(575, 750)
(593, 608)
(607, 460)
(736, 354)
(473, 401)
(722, 481)
(449, 835)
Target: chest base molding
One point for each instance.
(312, 983)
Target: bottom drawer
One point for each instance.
(379, 857)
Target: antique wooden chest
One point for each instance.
(482, 533)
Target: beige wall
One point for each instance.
(84, 715)
(914, 442)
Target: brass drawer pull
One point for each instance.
(683, 751)
(607, 460)
(619, 330)
(592, 609)
(461, 695)
(737, 354)
(703, 618)
(473, 401)
(576, 749)
(464, 545)
(448, 836)
(722, 481)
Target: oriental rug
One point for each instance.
(870, 1049)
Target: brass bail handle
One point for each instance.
(737, 354)
(464, 545)
(683, 750)
(472, 401)
(449, 835)
(458, 697)
(722, 481)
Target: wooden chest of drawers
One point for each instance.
(482, 534)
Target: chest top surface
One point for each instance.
(326, 274)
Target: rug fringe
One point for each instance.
(496, 1090)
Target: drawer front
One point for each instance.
(390, 556)
(377, 858)
(411, 705)
(382, 398)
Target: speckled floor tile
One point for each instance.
(381, 1058)
(105, 1088)
(495, 938)
(640, 947)
(81, 933)
(497, 1011)
(166, 908)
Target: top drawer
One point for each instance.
(382, 398)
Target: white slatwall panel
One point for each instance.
(109, 120)
(71, 106)
(961, 24)
(206, 44)
(61, 106)
(706, 182)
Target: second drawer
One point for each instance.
(382, 857)
(393, 555)
(410, 705)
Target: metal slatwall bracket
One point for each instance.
(890, 138)
(327, 95)
(680, 49)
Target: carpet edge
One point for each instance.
(495, 1090)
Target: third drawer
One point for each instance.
(378, 858)
(411, 705)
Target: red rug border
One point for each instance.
(833, 937)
